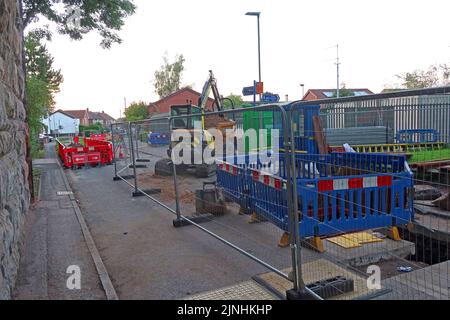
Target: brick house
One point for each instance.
(79, 114)
(88, 117)
(101, 117)
(319, 94)
(182, 96)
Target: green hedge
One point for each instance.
(95, 128)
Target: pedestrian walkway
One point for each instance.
(54, 241)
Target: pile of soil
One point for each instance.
(148, 180)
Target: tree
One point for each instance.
(236, 99)
(76, 18)
(344, 92)
(436, 75)
(39, 62)
(38, 100)
(136, 111)
(79, 18)
(42, 82)
(168, 77)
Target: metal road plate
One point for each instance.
(363, 237)
(344, 242)
(354, 240)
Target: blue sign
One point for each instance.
(268, 97)
(248, 91)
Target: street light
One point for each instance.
(256, 14)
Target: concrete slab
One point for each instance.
(432, 226)
(425, 208)
(369, 253)
(431, 282)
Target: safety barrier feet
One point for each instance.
(180, 222)
(127, 177)
(298, 295)
(146, 192)
(254, 218)
(244, 211)
(316, 243)
(393, 234)
(137, 166)
(284, 240)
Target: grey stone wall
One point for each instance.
(14, 190)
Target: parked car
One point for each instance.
(45, 137)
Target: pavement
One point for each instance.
(54, 241)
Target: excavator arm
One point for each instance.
(210, 85)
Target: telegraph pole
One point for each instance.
(124, 106)
(337, 69)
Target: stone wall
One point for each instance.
(14, 190)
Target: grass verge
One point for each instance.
(429, 155)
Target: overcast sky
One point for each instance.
(377, 41)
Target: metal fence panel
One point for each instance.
(341, 215)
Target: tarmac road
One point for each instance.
(147, 258)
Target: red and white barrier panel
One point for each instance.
(354, 183)
(269, 180)
(228, 168)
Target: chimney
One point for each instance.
(287, 98)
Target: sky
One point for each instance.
(377, 41)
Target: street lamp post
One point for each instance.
(303, 89)
(257, 14)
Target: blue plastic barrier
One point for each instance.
(228, 178)
(339, 192)
(417, 136)
(156, 138)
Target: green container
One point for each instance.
(258, 120)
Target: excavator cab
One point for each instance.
(185, 122)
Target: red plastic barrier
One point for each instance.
(94, 152)
(336, 149)
(98, 136)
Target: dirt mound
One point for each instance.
(147, 180)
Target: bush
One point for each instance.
(95, 128)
